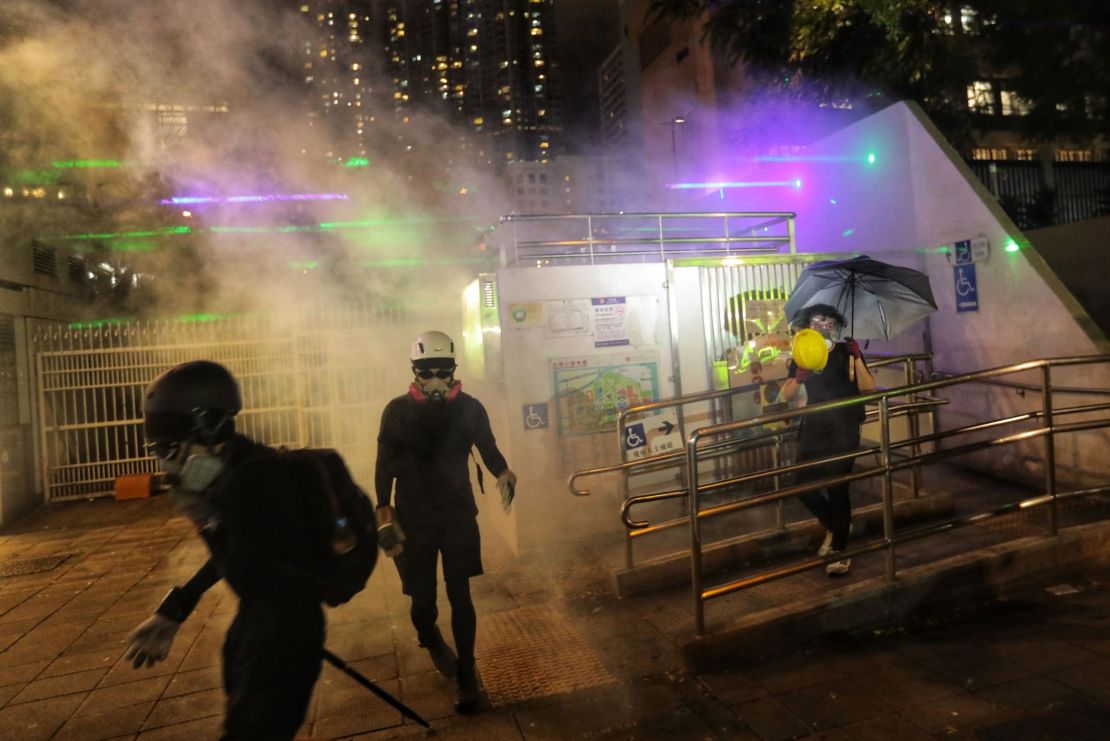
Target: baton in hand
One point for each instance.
(341, 665)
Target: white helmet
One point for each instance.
(432, 346)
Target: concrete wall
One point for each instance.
(533, 346)
(908, 206)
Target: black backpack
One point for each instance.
(352, 531)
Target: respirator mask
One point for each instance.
(435, 383)
(190, 470)
(826, 327)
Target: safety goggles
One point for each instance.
(442, 373)
(163, 450)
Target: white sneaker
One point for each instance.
(826, 545)
(838, 568)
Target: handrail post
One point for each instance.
(1049, 447)
(662, 244)
(695, 533)
(590, 235)
(915, 449)
(780, 519)
(888, 486)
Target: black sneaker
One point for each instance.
(468, 696)
(442, 655)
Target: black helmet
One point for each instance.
(196, 398)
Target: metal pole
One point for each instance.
(915, 449)
(888, 487)
(780, 520)
(1049, 447)
(590, 231)
(695, 534)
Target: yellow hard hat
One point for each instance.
(809, 350)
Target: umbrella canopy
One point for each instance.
(877, 300)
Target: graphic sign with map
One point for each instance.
(591, 391)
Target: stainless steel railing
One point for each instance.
(1048, 428)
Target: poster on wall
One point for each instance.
(590, 392)
(567, 318)
(610, 316)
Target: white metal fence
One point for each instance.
(318, 379)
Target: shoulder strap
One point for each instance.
(478, 468)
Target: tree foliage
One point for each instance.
(1055, 56)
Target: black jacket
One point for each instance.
(425, 447)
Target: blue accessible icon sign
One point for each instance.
(536, 416)
(635, 436)
(967, 290)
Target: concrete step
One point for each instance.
(798, 537)
(958, 582)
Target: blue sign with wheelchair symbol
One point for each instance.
(967, 290)
(536, 416)
(635, 436)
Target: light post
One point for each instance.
(674, 123)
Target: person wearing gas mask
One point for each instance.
(831, 432)
(252, 514)
(424, 445)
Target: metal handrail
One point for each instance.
(669, 229)
(886, 469)
(642, 528)
(1031, 387)
(657, 462)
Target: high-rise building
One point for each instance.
(487, 64)
(339, 65)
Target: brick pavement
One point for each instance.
(561, 657)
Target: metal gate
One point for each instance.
(319, 379)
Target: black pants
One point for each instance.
(831, 504)
(272, 659)
(459, 542)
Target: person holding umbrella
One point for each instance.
(831, 432)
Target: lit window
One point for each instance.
(1025, 154)
(980, 97)
(1013, 104)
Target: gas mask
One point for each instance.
(437, 384)
(826, 327)
(190, 470)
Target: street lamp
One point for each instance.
(674, 123)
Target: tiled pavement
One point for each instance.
(560, 656)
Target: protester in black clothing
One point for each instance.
(424, 444)
(831, 432)
(252, 509)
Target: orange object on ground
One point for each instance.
(134, 486)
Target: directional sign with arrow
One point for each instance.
(667, 427)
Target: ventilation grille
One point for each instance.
(78, 272)
(44, 259)
(7, 332)
(488, 288)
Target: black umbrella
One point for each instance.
(877, 300)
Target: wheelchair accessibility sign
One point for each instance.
(655, 435)
(536, 416)
(967, 290)
(635, 436)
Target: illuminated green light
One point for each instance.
(126, 235)
(1011, 246)
(304, 265)
(357, 162)
(870, 158)
(260, 229)
(37, 177)
(86, 164)
(93, 324)
(132, 246)
(847, 233)
(191, 318)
